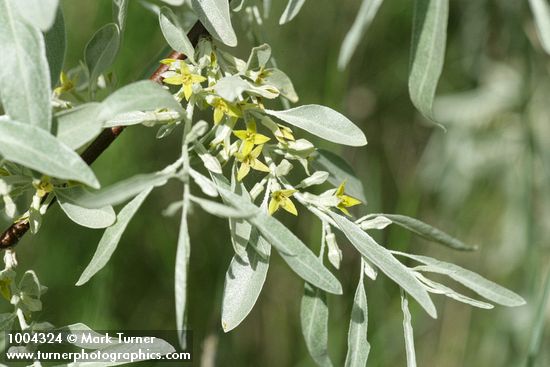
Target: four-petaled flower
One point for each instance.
(250, 137)
(223, 108)
(249, 161)
(281, 199)
(185, 78)
(66, 84)
(346, 201)
(283, 134)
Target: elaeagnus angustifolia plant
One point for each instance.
(243, 157)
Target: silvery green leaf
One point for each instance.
(297, 255)
(172, 209)
(117, 193)
(206, 186)
(244, 281)
(101, 50)
(35, 148)
(408, 331)
(78, 126)
(366, 14)
(314, 320)
(174, 2)
(38, 13)
(282, 82)
(120, 11)
(292, 9)
(231, 88)
(214, 15)
(369, 269)
(241, 231)
(385, 261)
(339, 171)
(428, 232)
(139, 96)
(174, 33)
(541, 12)
(475, 282)
(317, 178)
(334, 253)
(56, 45)
(199, 129)
(323, 122)
(378, 222)
(24, 75)
(427, 52)
(183, 253)
(283, 168)
(210, 162)
(237, 5)
(358, 346)
(111, 237)
(148, 118)
(259, 57)
(91, 218)
(219, 210)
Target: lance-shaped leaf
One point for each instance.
(427, 52)
(314, 319)
(366, 14)
(475, 282)
(323, 122)
(292, 9)
(174, 33)
(358, 346)
(183, 253)
(541, 12)
(38, 13)
(244, 281)
(219, 210)
(109, 242)
(385, 261)
(408, 331)
(56, 45)
(120, 11)
(101, 50)
(35, 148)
(214, 15)
(90, 218)
(24, 75)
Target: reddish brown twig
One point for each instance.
(11, 236)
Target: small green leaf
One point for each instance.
(38, 13)
(358, 346)
(408, 331)
(24, 76)
(109, 242)
(244, 281)
(541, 12)
(90, 218)
(364, 18)
(101, 50)
(215, 16)
(292, 9)
(35, 148)
(56, 46)
(428, 52)
(174, 33)
(385, 261)
(323, 122)
(314, 319)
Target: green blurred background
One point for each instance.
(484, 180)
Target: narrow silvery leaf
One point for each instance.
(292, 9)
(120, 11)
(428, 232)
(148, 118)
(323, 122)
(101, 50)
(314, 319)
(317, 178)
(39, 13)
(78, 126)
(90, 218)
(206, 186)
(24, 75)
(174, 33)
(282, 82)
(56, 44)
(339, 171)
(408, 331)
(118, 192)
(378, 222)
(244, 281)
(427, 52)
(366, 14)
(241, 230)
(385, 261)
(541, 12)
(358, 346)
(214, 15)
(259, 57)
(231, 87)
(35, 148)
(219, 210)
(475, 282)
(183, 253)
(109, 242)
(210, 162)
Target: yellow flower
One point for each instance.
(250, 137)
(66, 84)
(186, 79)
(283, 134)
(249, 161)
(281, 199)
(346, 201)
(223, 108)
(43, 187)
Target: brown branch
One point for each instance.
(11, 236)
